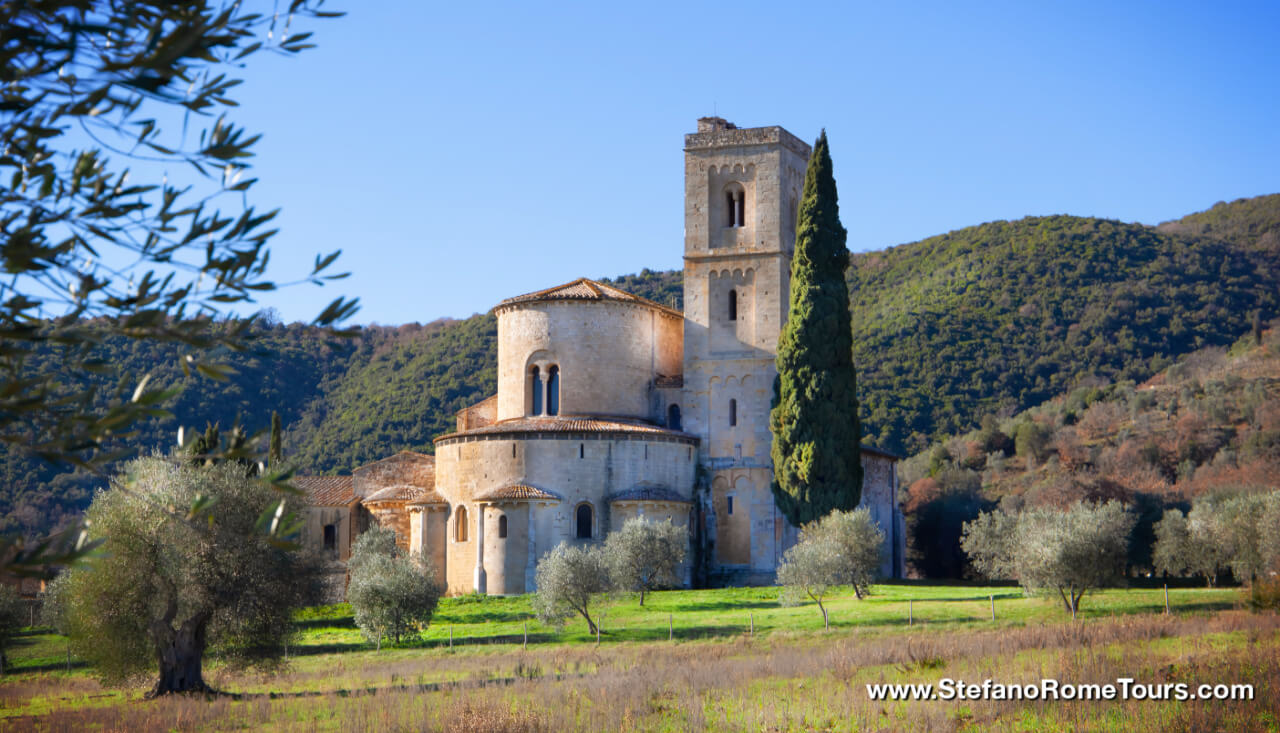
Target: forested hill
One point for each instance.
(1002, 316)
(993, 318)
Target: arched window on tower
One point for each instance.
(535, 389)
(733, 413)
(584, 521)
(502, 526)
(553, 390)
(673, 417)
(733, 305)
(460, 525)
(735, 205)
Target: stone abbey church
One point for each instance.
(610, 406)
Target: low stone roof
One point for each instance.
(518, 492)
(586, 289)
(663, 380)
(402, 493)
(569, 424)
(649, 493)
(428, 497)
(326, 490)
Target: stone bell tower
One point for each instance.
(742, 192)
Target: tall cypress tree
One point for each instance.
(817, 463)
(275, 450)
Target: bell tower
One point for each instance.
(742, 192)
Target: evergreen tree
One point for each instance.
(275, 453)
(816, 434)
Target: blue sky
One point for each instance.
(460, 153)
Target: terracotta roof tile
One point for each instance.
(586, 289)
(649, 493)
(569, 424)
(326, 490)
(404, 493)
(518, 492)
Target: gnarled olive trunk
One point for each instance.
(180, 655)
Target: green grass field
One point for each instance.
(738, 659)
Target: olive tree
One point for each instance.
(1190, 544)
(859, 544)
(1048, 550)
(646, 555)
(173, 584)
(841, 548)
(809, 570)
(125, 212)
(568, 579)
(391, 594)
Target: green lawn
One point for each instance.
(790, 675)
(697, 614)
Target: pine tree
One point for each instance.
(816, 434)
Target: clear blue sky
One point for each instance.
(460, 153)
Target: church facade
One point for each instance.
(610, 406)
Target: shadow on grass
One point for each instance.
(955, 599)
(307, 650)
(346, 622)
(479, 615)
(716, 606)
(59, 666)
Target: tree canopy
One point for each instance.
(172, 584)
(126, 207)
(816, 434)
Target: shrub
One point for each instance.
(391, 595)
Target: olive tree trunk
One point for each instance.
(180, 655)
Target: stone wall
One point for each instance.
(404, 468)
(608, 354)
(577, 468)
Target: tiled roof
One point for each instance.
(401, 492)
(877, 452)
(326, 490)
(586, 289)
(649, 493)
(517, 492)
(428, 497)
(663, 380)
(568, 424)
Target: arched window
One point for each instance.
(673, 417)
(553, 390)
(460, 524)
(535, 388)
(502, 526)
(735, 205)
(733, 413)
(584, 521)
(733, 305)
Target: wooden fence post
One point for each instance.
(1166, 599)
(525, 645)
(993, 607)
(752, 630)
(909, 612)
(450, 636)
(670, 628)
